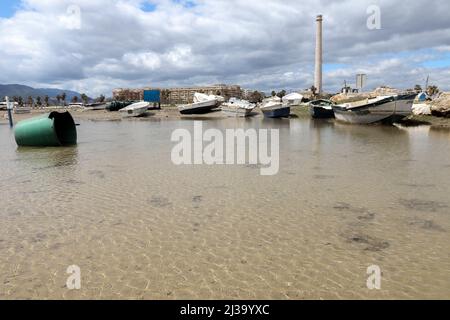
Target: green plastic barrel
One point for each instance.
(49, 130)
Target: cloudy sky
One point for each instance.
(95, 46)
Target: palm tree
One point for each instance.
(63, 98)
(75, 99)
(46, 99)
(58, 97)
(20, 101)
(314, 91)
(84, 98)
(101, 99)
(38, 101)
(30, 101)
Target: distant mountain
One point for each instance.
(18, 90)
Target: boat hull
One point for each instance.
(198, 107)
(239, 113)
(389, 110)
(22, 110)
(198, 110)
(321, 113)
(135, 110)
(283, 112)
(134, 113)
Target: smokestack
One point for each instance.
(318, 73)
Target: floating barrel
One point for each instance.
(49, 130)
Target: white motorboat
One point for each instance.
(202, 104)
(275, 108)
(238, 108)
(381, 109)
(135, 110)
(293, 99)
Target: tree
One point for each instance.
(20, 101)
(39, 101)
(281, 94)
(432, 90)
(256, 97)
(30, 101)
(273, 94)
(74, 99)
(165, 95)
(101, 99)
(63, 98)
(418, 88)
(314, 91)
(58, 97)
(84, 98)
(46, 99)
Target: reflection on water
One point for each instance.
(346, 197)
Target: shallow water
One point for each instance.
(346, 197)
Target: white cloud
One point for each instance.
(258, 44)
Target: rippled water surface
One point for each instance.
(346, 197)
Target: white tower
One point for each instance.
(319, 58)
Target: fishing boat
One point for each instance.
(321, 109)
(275, 108)
(238, 108)
(135, 110)
(202, 104)
(381, 109)
(293, 99)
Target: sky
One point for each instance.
(96, 46)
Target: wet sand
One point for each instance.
(139, 227)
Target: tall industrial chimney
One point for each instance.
(318, 73)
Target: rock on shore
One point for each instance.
(440, 107)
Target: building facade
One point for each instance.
(179, 95)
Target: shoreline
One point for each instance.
(171, 113)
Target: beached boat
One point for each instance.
(381, 109)
(135, 110)
(321, 109)
(96, 106)
(22, 110)
(293, 99)
(238, 108)
(275, 108)
(202, 104)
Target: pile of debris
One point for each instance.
(351, 97)
(440, 107)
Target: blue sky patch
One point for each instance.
(439, 63)
(8, 8)
(186, 3)
(148, 6)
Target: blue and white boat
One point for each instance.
(275, 108)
